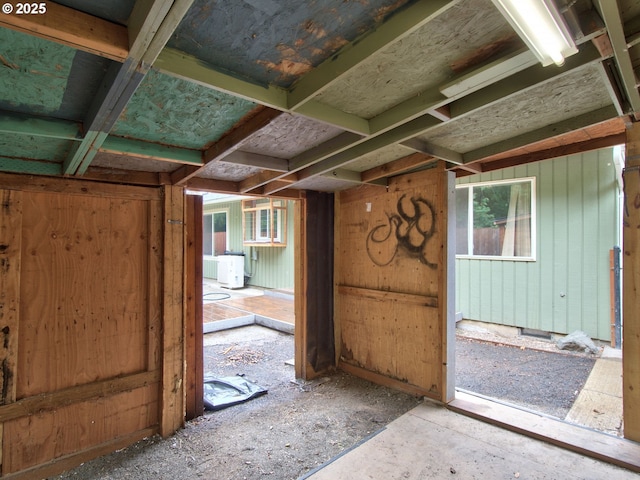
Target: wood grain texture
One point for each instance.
(631, 288)
(391, 275)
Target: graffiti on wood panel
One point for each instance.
(404, 231)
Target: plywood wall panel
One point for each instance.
(392, 307)
(83, 291)
(36, 439)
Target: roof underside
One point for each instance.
(271, 97)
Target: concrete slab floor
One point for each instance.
(432, 442)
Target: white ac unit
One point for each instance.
(231, 271)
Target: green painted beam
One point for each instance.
(178, 64)
(437, 151)
(613, 21)
(151, 24)
(152, 150)
(31, 167)
(522, 81)
(408, 110)
(400, 25)
(40, 127)
(397, 135)
(324, 150)
(333, 116)
(559, 128)
(264, 162)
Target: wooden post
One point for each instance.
(10, 248)
(448, 286)
(631, 295)
(194, 363)
(173, 344)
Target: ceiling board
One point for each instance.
(579, 91)
(418, 62)
(29, 146)
(117, 11)
(227, 171)
(130, 162)
(288, 136)
(379, 157)
(175, 112)
(274, 42)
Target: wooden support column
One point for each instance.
(173, 335)
(315, 342)
(10, 247)
(194, 339)
(631, 285)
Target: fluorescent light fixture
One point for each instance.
(542, 28)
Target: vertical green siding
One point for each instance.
(274, 266)
(567, 287)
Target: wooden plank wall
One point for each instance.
(392, 276)
(82, 315)
(631, 288)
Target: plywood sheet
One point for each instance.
(33, 440)
(391, 277)
(83, 290)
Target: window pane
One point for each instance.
(264, 224)
(207, 235)
(502, 220)
(220, 232)
(462, 221)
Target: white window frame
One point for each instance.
(212, 214)
(533, 226)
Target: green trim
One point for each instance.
(21, 124)
(333, 116)
(31, 167)
(152, 150)
(611, 16)
(188, 67)
(408, 110)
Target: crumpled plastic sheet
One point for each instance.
(225, 392)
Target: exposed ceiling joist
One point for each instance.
(211, 185)
(397, 167)
(397, 27)
(559, 128)
(14, 123)
(255, 160)
(612, 19)
(76, 29)
(151, 150)
(122, 81)
(433, 150)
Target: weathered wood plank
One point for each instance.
(154, 310)
(631, 287)
(62, 398)
(300, 306)
(10, 267)
(173, 354)
(194, 327)
(76, 187)
(73, 28)
(386, 296)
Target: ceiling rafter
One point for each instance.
(559, 128)
(433, 150)
(15, 123)
(76, 29)
(394, 29)
(229, 143)
(153, 151)
(152, 24)
(612, 19)
(396, 167)
(256, 160)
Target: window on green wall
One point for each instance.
(496, 220)
(215, 236)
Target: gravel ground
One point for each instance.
(298, 426)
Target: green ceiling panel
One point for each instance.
(34, 73)
(171, 111)
(31, 147)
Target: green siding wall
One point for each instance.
(275, 265)
(567, 287)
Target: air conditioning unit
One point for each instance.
(231, 270)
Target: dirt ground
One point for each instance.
(296, 427)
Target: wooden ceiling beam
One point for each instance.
(396, 167)
(258, 180)
(212, 185)
(264, 162)
(612, 19)
(15, 123)
(76, 29)
(163, 153)
(397, 27)
(434, 150)
(151, 25)
(560, 151)
(553, 130)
